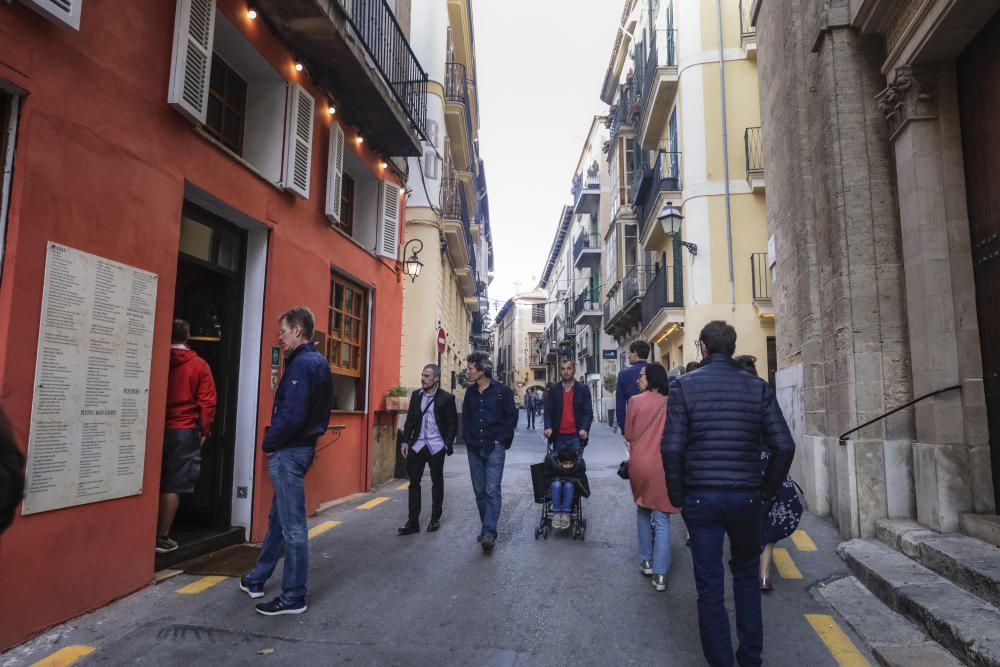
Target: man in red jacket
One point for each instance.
(190, 413)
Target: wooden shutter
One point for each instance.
(298, 140)
(388, 221)
(191, 65)
(335, 173)
(66, 12)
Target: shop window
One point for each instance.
(346, 342)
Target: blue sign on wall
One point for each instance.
(609, 354)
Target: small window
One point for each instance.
(347, 336)
(538, 313)
(539, 374)
(227, 105)
(347, 205)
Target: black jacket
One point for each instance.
(578, 473)
(583, 409)
(445, 414)
(718, 418)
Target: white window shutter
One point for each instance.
(298, 140)
(335, 172)
(388, 221)
(66, 12)
(191, 64)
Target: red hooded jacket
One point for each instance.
(190, 392)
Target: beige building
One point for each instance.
(447, 212)
(881, 141)
(520, 325)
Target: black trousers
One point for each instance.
(415, 462)
(531, 417)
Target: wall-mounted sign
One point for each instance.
(609, 354)
(275, 356)
(442, 340)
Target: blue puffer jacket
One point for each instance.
(303, 401)
(718, 419)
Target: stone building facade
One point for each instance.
(878, 151)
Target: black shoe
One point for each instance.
(433, 525)
(276, 607)
(253, 590)
(488, 542)
(408, 529)
(479, 537)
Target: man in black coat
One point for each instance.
(718, 420)
(428, 434)
(569, 412)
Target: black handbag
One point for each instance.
(623, 469)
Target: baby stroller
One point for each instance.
(541, 480)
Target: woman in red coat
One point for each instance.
(644, 422)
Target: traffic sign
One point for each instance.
(441, 339)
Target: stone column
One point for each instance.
(920, 106)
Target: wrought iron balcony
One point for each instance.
(663, 176)
(665, 291)
(587, 191)
(587, 309)
(661, 52)
(660, 80)
(453, 204)
(458, 116)
(626, 301)
(747, 28)
(626, 106)
(760, 277)
(753, 146)
(587, 251)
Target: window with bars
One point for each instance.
(346, 340)
(538, 313)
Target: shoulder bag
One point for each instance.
(623, 466)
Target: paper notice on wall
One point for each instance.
(87, 440)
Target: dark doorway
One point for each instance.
(209, 295)
(978, 70)
(772, 359)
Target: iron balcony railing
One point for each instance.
(386, 44)
(590, 365)
(665, 290)
(660, 52)
(456, 89)
(581, 182)
(760, 276)
(589, 240)
(663, 176)
(747, 28)
(453, 203)
(626, 106)
(635, 283)
(607, 311)
(754, 147)
(584, 302)
(583, 346)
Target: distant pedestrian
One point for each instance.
(628, 380)
(489, 418)
(11, 474)
(300, 415)
(718, 418)
(647, 415)
(428, 436)
(191, 404)
(529, 407)
(569, 412)
(691, 366)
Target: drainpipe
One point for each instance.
(725, 151)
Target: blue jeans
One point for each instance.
(654, 547)
(286, 528)
(530, 411)
(570, 440)
(562, 496)
(710, 516)
(486, 471)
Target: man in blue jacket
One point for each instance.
(628, 380)
(569, 412)
(301, 414)
(718, 420)
(489, 418)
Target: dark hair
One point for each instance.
(567, 454)
(641, 349)
(302, 317)
(691, 366)
(719, 338)
(11, 474)
(567, 360)
(181, 332)
(747, 363)
(656, 378)
(434, 369)
(482, 362)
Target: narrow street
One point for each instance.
(435, 599)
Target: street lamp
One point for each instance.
(412, 265)
(670, 219)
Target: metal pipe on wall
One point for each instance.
(725, 152)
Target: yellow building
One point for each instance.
(685, 131)
(447, 211)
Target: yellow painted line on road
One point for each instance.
(404, 485)
(321, 528)
(200, 585)
(839, 644)
(786, 566)
(802, 541)
(374, 502)
(65, 656)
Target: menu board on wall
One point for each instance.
(91, 394)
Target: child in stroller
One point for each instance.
(560, 482)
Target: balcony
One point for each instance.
(455, 225)
(753, 145)
(663, 301)
(660, 185)
(583, 345)
(760, 283)
(659, 86)
(587, 251)
(458, 116)
(626, 107)
(748, 31)
(587, 310)
(356, 49)
(626, 302)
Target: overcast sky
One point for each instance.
(540, 66)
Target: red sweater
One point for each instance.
(567, 424)
(190, 392)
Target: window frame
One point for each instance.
(229, 74)
(347, 198)
(336, 338)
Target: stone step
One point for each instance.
(966, 625)
(985, 527)
(971, 563)
(894, 640)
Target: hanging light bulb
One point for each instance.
(331, 110)
(298, 67)
(252, 13)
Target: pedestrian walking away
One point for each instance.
(569, 413)
(300, 415)
(489, 418)
(647, 416)
(628, 380)
(191, 404)
(428, 435)
(718, 418)
(529, 407)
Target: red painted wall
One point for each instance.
(101, 164)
